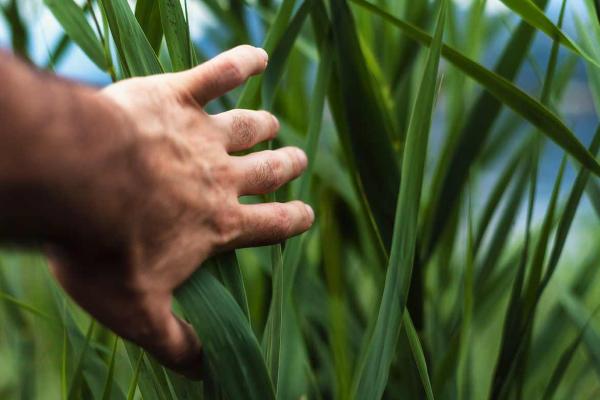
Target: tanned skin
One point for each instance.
(130, 188)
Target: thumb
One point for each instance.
(172, 342)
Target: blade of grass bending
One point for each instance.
(419, 356)
(111, 371)
(132, 44)
(175, 29)
(565, 360)
(373, 371)
(230, 348)
(147, 13)
(505, 91)
(72, 19)
(363, 123)
(530, 13)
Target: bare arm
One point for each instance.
(132, 187)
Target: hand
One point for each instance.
(168, 200)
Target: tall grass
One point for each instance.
(440, 265)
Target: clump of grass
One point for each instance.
(417, 281)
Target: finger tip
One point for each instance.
(302, 158)
(264, 55)
(311, 214)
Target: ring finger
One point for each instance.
(245, 128)
(265, 171)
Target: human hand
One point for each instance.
(168, 200)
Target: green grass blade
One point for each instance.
(283, 278)
(250, 96)
(24, 306)
(505, 91)
(73, 20)
(358, 108)
(593, 192)
(539, 255)
(580, 316)
(176, 33)
(565, 360)
(231, 277)
(536, 18)
(501, 233)
(568, 215)
(151, 385)
(419, 356)
(135, 378)
(147, 12)
(132, 44)
(231, 350)
(372, 375)
(77, 375)
(280, 55)
(496, 194)
(107, 395)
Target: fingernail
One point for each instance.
(264, 54)
(276, 121)
(302, 157)
(310, 212)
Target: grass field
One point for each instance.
(457, 239)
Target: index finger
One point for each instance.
(223, 73)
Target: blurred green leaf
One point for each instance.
(75, 24)
(530, 12)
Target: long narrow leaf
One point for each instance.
(75, 24)
(373, 371)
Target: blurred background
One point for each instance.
(341, 273)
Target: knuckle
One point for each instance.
(267, 174)
(283, 221)
(244, 130)
(226, 225)
(231, 70)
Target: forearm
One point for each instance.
(56, 138)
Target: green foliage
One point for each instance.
(440, 266)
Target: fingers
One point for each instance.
(270, 223)
(245, 128)
(223, 73)
(141, 317)
(266, 171)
